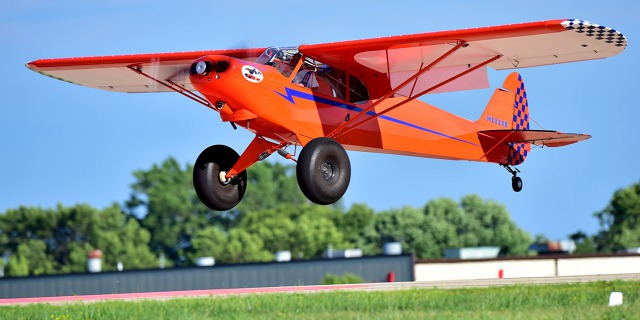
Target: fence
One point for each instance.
(271, 274)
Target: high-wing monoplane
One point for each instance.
(356, 95)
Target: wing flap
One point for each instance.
(538, 137)
(111, 72)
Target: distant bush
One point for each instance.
(346, 278)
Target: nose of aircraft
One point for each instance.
(210, 75)
(204, 66)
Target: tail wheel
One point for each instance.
(516, 184)
(323, 171)
(210, 183)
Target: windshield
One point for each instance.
(284, 59)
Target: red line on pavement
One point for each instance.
(178, 294)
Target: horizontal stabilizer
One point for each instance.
(537, 137)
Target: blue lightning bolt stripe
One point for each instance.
(290, 94)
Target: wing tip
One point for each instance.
(605, 34)
(32, 65)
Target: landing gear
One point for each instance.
(210, 182)
(516, 182)
(323, 171)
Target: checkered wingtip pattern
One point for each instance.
(518, 151)
(597, 32)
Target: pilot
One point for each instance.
(289, 66)
(306, 76)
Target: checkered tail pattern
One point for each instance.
(518, 151)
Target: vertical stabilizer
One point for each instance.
(508, 109)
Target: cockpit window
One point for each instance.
(315, 75)
(283, 59)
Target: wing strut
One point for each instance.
(173, 86)
(346, 128)
(337, 132)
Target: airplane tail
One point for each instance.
(508, 109)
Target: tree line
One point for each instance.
(163, 217)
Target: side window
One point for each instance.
(322, 79)
(330, 82)
(357, 91)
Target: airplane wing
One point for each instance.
(538, 137)
(111, 72)
(384, 63)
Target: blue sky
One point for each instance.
(62, 143)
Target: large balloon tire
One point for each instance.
(213, 192)
(323, 171)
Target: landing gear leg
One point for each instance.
(516, 182)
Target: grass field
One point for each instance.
(563, 301)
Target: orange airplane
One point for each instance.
(357, 95)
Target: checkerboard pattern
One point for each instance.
(598, 32)
(518, 151)
(521, 108)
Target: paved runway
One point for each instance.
(366, 286)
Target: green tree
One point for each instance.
(448, 225)
(408, 226)
(18, 266)
(306, 230)
(48, 241)
(244, 247)
(208, 242)
(31, 259)
(584, 244)
(270, 184)
(620, 220)
(237, 246)
(24, 223)
(274, 226)
(165, 199)
(123, 240)
(315, 231)
(77, 262)
(75, 228)
(58, 231)
(358, 228)
(494, 227)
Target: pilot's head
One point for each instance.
(294, 60)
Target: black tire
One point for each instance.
(516, 184)
(323, 171)
(212, 192)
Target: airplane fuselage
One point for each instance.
(270, 105)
